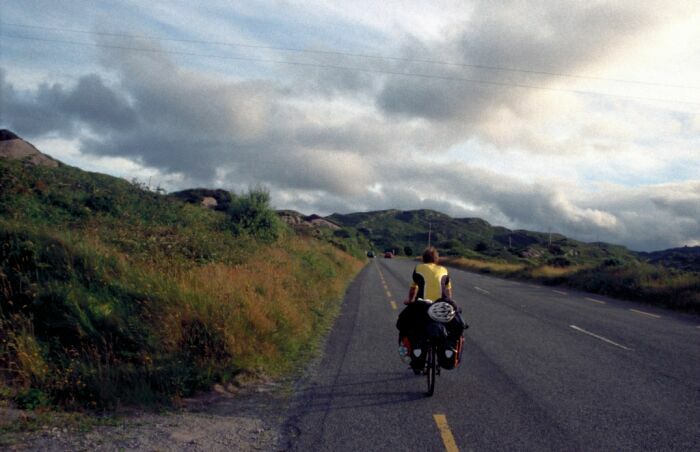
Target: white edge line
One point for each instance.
(646, 313)
(559, 292)
(595, 301)
(600, 337)
(481, 290)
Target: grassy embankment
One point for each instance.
(111, 294)
(631, 280)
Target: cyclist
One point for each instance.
(431, 281)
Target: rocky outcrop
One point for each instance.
(15, 148)
(216, 199)
(319, 221)
(299, 220)
(210, 202)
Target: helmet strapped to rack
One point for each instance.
(441, 311)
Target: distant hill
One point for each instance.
(403, 230)
(686, 258)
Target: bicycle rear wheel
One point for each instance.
(431, 366)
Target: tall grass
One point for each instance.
(484, 266)
(101, 328)
(551, 273)
(112, 294)
(632, 280)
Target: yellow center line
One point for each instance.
(388, 292)
(447, 439)
(646, 313)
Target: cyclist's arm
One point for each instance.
(447, 288)
(411, 295)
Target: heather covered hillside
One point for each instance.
(684, 258)
(111, 293)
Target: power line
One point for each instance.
(349, 54)
(356, 69)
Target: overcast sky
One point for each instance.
(580, 117)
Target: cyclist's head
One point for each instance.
(430, 255)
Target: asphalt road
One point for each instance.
(543, 369)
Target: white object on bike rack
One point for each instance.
(441, 312)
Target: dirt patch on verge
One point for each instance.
(251, 419)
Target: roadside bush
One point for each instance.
(32, 399)
(252, 215)
(559, 262)
(481, 247)
(612, 262)
(342, 233)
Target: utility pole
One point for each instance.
(430, 230)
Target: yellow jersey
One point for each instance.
(431, 280)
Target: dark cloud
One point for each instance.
(28, 114)
(95, 104)
(54, 108)
(331, 83)
(238, 132)
(554, 37)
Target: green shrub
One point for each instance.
(342, 233)
(252, 215)
(559, 262)
(32, 399)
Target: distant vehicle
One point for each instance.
(370, 253)
(388, 255)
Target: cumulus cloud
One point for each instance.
(327, 140)
(551, 38)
